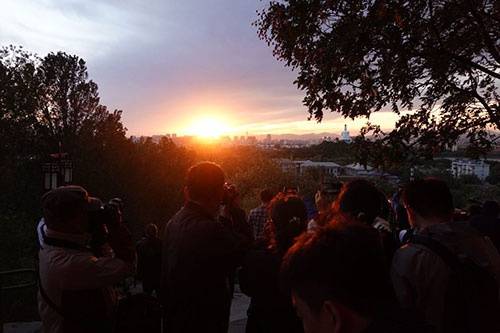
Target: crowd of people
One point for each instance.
(360, 263)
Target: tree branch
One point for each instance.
(470, 63)
(493, 115)
(486, 36)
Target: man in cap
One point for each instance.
(75, 289)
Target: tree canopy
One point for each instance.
(434, 63)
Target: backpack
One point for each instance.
(139, 313)
(471, 301)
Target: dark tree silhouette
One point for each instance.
(435, 63)
(20, 89)
(45, 102)
(70, 104)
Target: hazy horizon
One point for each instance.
(167, 64)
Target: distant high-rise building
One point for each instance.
(344, 136)
(268, 138)
(251, 140)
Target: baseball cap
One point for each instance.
(66, 202)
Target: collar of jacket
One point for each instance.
(198, 208)
(80, 240)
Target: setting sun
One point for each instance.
(208, 127)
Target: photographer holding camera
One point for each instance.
(199, 254)
(232, 214)
(76, 281)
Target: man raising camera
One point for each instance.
(199, 254)
(75, 291)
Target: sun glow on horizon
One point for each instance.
(208, 127)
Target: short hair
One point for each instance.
(64, 204)
(344, 262)
(361, 200)
(203, 179)
(266, 195)
(429, 197)
(151, 230)
(288, 219)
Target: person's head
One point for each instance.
(428, 201)
(361, 200)
(338, 277)
(287, 220)
(151, 230)
(231, 195)
(474, 210)
(266, 196)
(491, 209)
(65, 209)
(113, 214)
(117, 202)
(205, 185)
(322, 201)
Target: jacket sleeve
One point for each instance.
(228, 247)
(89, 272)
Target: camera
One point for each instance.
(100, 217)
(230, 193)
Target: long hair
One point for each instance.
(287, 220)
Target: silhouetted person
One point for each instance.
(448, 271)
(235, 219)
(339, 281)
(401, 216)
(271, 309)
(118, 232)
(487, 222)
(474, 210)
(75, 291)
(361, 200)
(232, 214)
(149, 260)
(199, 253)
(323, 200)
(258, 216)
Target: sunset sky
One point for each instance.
(168, 63)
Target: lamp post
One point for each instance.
(58, 171)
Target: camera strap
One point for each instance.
(66, 316)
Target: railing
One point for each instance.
(30, 282)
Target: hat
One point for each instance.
(64, 203)
(117, 202)
(95, 204)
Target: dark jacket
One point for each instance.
(421, 277)
(149, 263)
(198, 255)
(393, 319)
(270, 310)
(488, 226)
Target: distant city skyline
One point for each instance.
(168, 63)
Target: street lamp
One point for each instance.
(57, 172)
